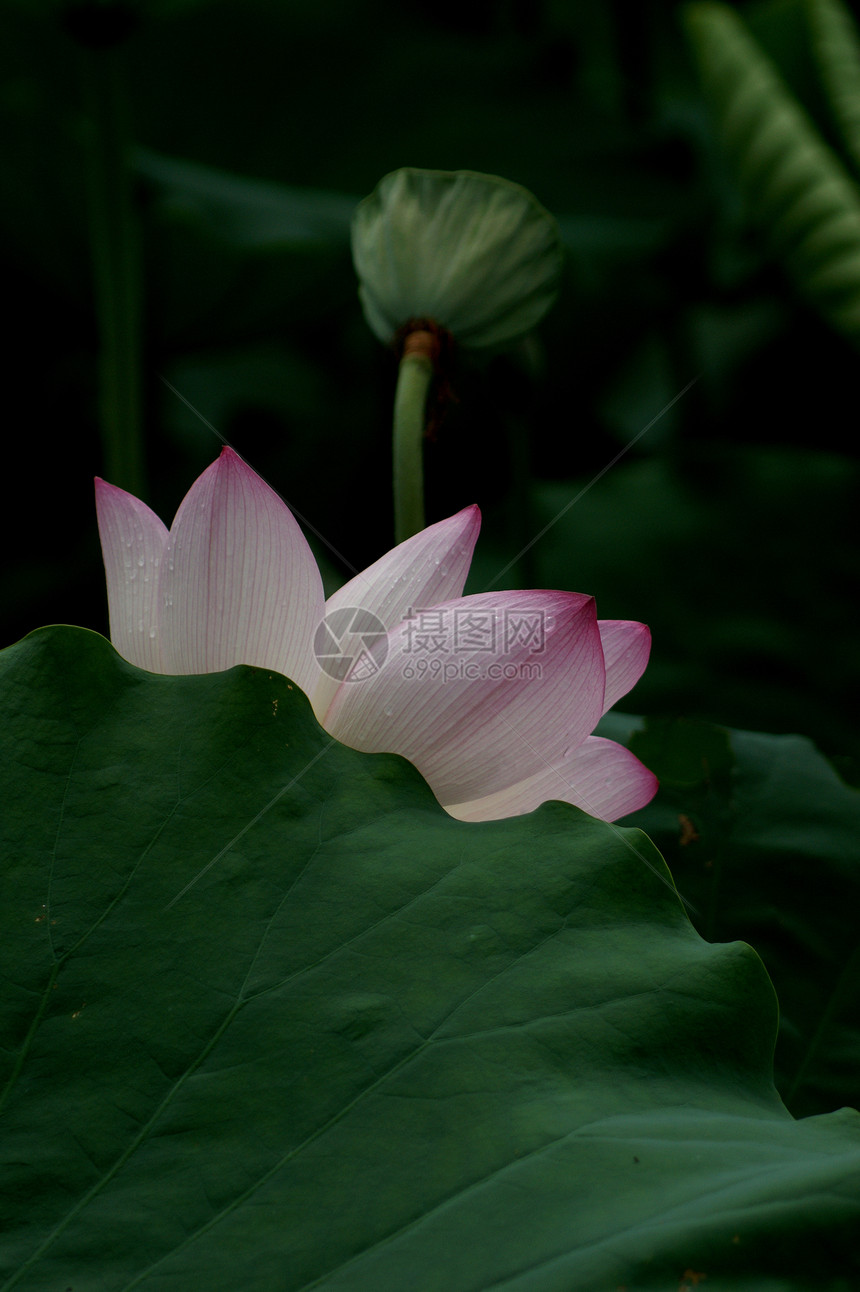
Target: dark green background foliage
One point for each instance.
(274, 1020)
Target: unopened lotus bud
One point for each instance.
(476, 254)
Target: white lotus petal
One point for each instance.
(133, 542)
(626, 647)
(476, 720)
(428, 568)
(241, 585)
(601, 777)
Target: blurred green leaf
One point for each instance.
(247, 213)
(685, 755)
(237, 258)
(796, 188)
(837, 53)
(771, 854)
(273, 1019)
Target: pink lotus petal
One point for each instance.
(470, 734)
(240, 585)
(626, 647)
(133, 541)
(494, 705)
(601, 777)
(428, 568)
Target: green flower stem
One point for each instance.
(116, 271)
(410, 400)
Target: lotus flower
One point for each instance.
(493, 697)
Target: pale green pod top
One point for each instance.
(477, 254)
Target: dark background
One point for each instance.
(729, 526)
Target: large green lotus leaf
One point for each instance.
(796, 188)
(272, 1019)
